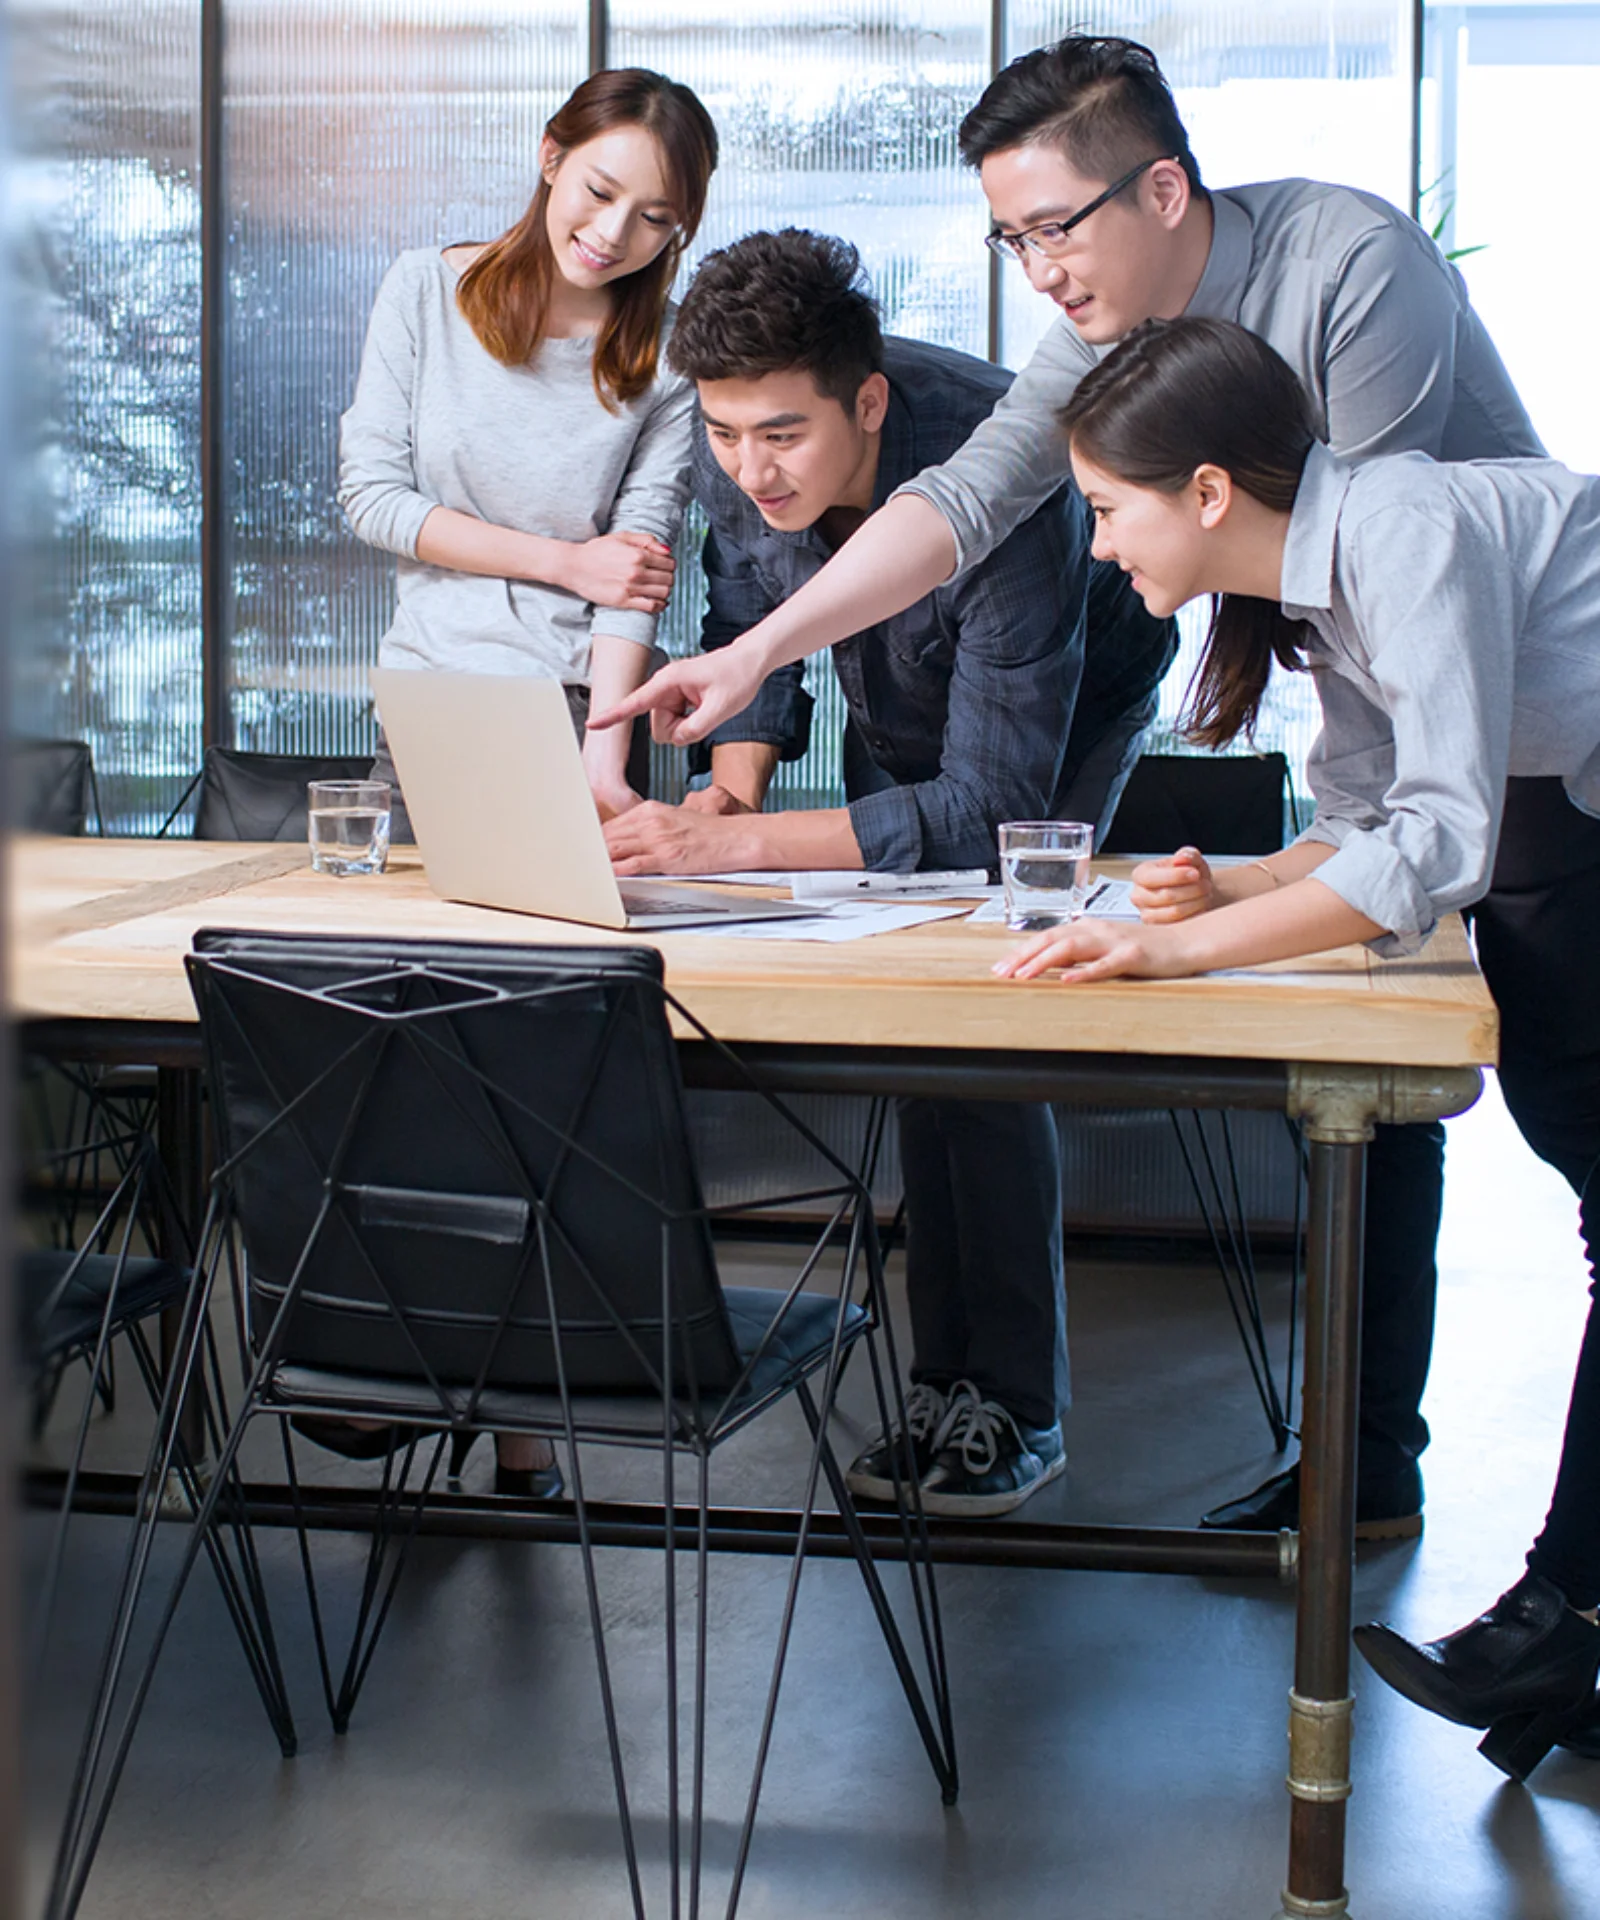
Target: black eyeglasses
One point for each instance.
(1051, 238)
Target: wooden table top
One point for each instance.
(98, 929)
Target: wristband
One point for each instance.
(1267, 871)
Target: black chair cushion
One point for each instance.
(1220, 803)
(57, 1321)
(262, 796)
(800, 1347)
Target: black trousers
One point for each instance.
(1538, 933)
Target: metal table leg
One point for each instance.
(1338, 1107)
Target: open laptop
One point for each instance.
(503, 814)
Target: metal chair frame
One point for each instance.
(416, 1010)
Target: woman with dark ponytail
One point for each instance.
(1450, 618)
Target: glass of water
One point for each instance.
(1045, 867)
(348, 825)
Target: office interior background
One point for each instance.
(207, 192)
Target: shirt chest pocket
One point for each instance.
(921, 642)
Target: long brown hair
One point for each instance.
(1181, 394)
(505, 293)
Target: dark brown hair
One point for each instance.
(1104, 101)
(780, 302)
(505, 293)
(1177, 395)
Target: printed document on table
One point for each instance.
(845, 920)
(1106, 900)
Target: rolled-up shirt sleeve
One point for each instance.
(1409, 778)
(1018, 662)
(1014, 460)
(654, 491)
(377, 469)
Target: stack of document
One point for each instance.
(851, 904)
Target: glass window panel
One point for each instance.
(106, 230)
(1509, 95)
(352, 135)
(1319, 88)
(841, 118)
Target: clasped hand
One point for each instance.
(632, 571)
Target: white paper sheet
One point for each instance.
(1107, 900)
(847, 920)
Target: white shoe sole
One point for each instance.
(978, 1505)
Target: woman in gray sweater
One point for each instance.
(516, 439)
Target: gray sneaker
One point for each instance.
(871, 1474)
(987, 1460)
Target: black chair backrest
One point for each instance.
(437, 1141)
(262, 796)
(52, 785)
(1220, 803)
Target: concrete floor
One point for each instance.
(1121, 1736)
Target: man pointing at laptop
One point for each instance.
(1095, 193)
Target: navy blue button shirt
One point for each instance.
(966, 700)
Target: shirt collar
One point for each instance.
(1313, 528)
(1221, 287)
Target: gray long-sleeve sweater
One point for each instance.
(438, 422)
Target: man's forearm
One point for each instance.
(805, 839)
(744, 768)
(889, 563)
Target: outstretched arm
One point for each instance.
(1280, 923)
(903, 552)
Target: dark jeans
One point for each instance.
(984, 1279)
(1538, 933)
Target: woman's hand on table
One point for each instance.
(1101, 950)
(632, 571)
(1176, 888)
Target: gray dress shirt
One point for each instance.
(1355, 296)
(1454, 634)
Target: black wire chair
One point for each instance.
(1225, 804)
(240, 795)
(76, 1305)
(454, 1191)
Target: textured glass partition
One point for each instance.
(842, 118)
(106, 634)
(353, 133)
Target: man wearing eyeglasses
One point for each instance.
(1094, 192)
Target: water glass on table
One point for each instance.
(1044, 865)
(348, 825)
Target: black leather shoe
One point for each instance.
(1583, 1736)
(1525, 1670)
(1386, 1510)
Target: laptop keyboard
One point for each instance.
(647, 899)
